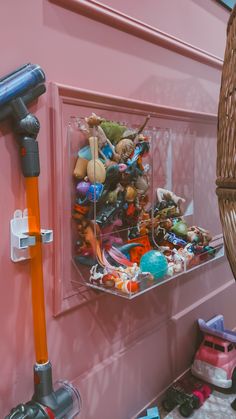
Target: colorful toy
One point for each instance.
(107, 214)
(172, 238)
(82, 188)
(124, 149)
(155, 263)
(186, 400)
(94, 192)
(152, 413)
(180, 228)
(137, 252)
(215, 360)
(96, 171)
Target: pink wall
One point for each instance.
(121, 354)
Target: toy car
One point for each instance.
(215, 360)
(109, 212)
(187, 402)
(172, 238)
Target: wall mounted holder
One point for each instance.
(191, 133)
(20, 240)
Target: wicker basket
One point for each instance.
(226, 145)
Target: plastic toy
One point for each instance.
(172, 238)
(107, 214)
(152, 413)
(198, 235)
(180, 228)
(82, 188)
(176, 395)
(94, 192)
(80, 169)
(96, 171)
(124, 149)
(215, 360)
(155, 263)
(137, 252)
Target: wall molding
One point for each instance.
(118, 20)
(70, 94)
(203, 300)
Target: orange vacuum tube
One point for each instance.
(38, 305)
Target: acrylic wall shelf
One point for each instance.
(102, 226)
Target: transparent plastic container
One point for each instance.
(133, 223)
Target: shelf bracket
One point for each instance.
(20, 239)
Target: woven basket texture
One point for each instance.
(226, 145)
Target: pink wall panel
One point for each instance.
(180, 22)
(121, 354)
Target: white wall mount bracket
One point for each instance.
(20, 240)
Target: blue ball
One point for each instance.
(155, 263)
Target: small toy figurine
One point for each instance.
(94, 120)
(198, 235)
(164, 194)
(124, 149)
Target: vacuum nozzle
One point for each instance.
(26, 82)
(61, 402)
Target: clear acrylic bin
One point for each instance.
(133, 223)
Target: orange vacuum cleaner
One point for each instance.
(18, 89)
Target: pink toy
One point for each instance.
(215, 360)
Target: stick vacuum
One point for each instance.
(18, 89)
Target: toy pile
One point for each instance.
(122, 239)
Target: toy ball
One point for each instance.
(155, 263)
(94, 192)
(82, 188)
